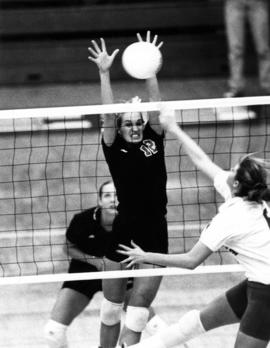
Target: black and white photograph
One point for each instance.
(135, 173)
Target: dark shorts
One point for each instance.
(150, 233)
(250, 302)
(86, 287)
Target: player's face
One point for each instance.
(108, 199)
(132, 126)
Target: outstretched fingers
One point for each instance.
(96, 50)
(100, 56)
(96, 46)
(134, 244)
(134, 254)
(93, 55)
(148, 39)
(115, 52)
(154, 42)
(103, 45)
(125, 247)
(139, 37)
(160, 45)
(128, 262)
(148, 36)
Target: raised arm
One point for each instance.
(152, 87)
(189, 260)
(200, 159)
(104, 61)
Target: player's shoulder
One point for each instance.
(113, 144)
(151, 131)
(89, 214)
(221, 184)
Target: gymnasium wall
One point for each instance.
(45, 41)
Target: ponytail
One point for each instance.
(259, 193)
(252, 177)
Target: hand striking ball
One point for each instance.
(142, 60)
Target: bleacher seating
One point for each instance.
(47, 40)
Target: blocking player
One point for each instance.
(134, 151)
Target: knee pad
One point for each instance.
(110, 313)
(136, 318)
(155, 325)
(187, 328)
(55, 334)
(192, 320)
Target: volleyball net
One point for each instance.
(52, 165)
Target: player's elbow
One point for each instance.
(68, 248)
(65, 249)
(191, 265)
(192, 262)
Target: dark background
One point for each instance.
(45, 41)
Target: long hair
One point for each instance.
(252, 177)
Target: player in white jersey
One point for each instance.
(243, 226)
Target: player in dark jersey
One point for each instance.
(134, 150)
(89, 234)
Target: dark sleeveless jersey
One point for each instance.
(87, 234)
(139, 174)
(90, 237)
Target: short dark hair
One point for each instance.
(252, 178)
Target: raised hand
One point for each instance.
(167, 118)
(148, 39)
(135, 254)
(100, 56)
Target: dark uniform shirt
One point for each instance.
(86, 232)
(139, 174)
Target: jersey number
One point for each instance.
(149, 147)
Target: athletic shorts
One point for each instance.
(250, 302)
(150, 233)
(86, 287)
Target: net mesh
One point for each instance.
(52, 165)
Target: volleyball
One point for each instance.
(142, 60)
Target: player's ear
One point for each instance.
(235, 183)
